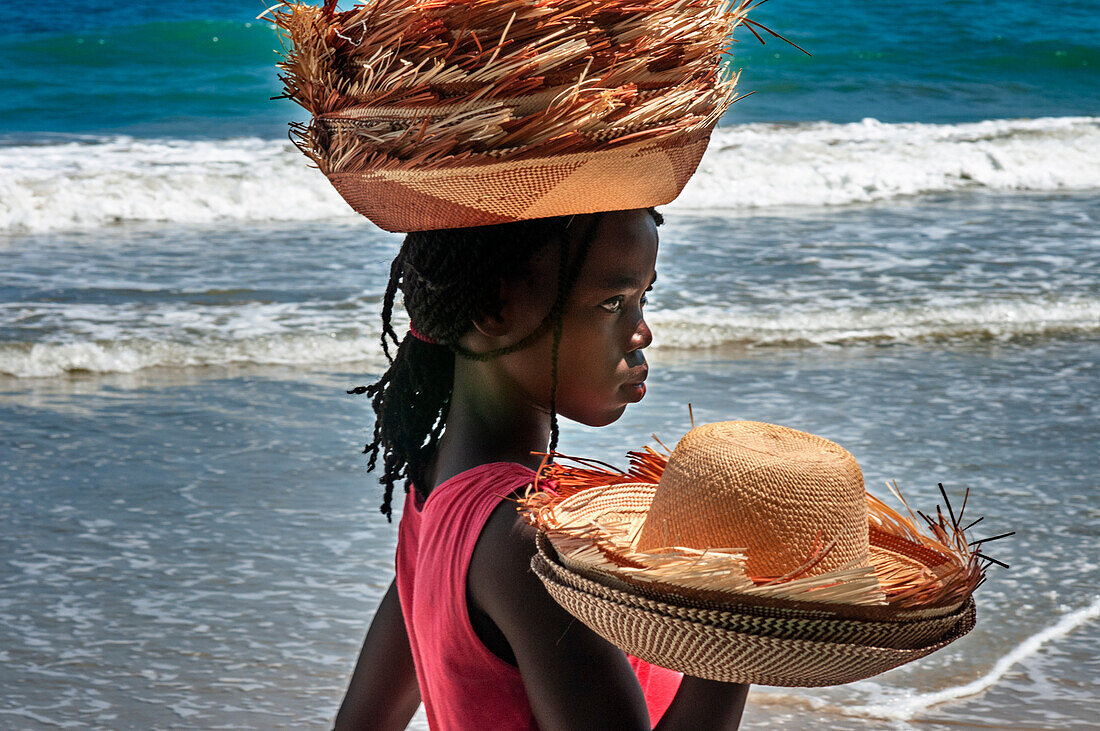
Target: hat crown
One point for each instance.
(778, 492)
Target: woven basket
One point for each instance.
(737, 649)
(430, 115)
(485, 191)
(875, 626)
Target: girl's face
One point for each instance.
(601, 368)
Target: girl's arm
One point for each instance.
(574, 678)
(383, 693)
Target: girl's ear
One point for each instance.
(519, 308)
(491, 326)
(496, 324)
(522, 300)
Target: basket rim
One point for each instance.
(543, 565)
(672, 595)
(825, 654)
(479, 162)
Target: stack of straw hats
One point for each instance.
(752, 554)
(432, 114)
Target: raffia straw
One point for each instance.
(948, 569)
(604, 545)
(403, 62)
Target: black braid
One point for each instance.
(449, 278)
(567, 277)
(387, 307)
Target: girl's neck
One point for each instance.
(489, 420)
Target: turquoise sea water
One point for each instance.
(893, 244)
(204, 69)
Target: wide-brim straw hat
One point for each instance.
(702, 609)
(432, 114)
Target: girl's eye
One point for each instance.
(644, 300)
(614, 304)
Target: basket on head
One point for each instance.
(752, 554)
(430, 114)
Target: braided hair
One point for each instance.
(449, 278)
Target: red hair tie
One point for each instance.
(420, 336)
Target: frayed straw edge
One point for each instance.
(956, 572)
(324, 44)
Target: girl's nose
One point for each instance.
(642, 337)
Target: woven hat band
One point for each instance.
(637, 175)
(780, 493)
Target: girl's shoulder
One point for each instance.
(480, 509)
(499, 580)
(506, 539)
(501, 559)
(506, 542)
(492, 480)
(472, 494)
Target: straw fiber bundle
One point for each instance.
(720, 560)
(446, 113)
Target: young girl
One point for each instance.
(496, 131)
(511, 325)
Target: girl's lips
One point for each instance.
(635, 392)
(635, 387)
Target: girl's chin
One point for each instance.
(604, 418)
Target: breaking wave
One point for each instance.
(756, 165)
(287, 336)
(703, 327)
(904, 706)
(97, 182)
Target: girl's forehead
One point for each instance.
(625, 248)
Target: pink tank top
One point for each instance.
(462, 683)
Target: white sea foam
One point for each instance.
(100, 182)
(101, 339)
(904, 706)
(694, 327)
(41, 360)
(884, 703)
(96, 183)
(761, 165)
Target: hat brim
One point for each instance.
(738, 644)
(606, 511)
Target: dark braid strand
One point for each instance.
(387, 308)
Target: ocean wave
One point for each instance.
(98, 182)
(89, 184)
(45, 360)
(755, 165)
(892, 704)
(708, 327)
(304, 335)
(904, 706)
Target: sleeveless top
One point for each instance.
(462, 683)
